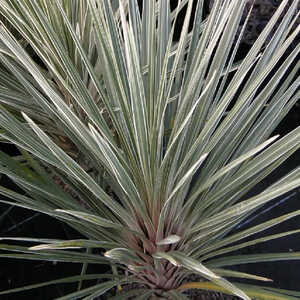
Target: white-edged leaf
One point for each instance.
(171, 239)
(179, 259)
(123, 255)
(74, 244)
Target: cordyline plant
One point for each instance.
(157, 141)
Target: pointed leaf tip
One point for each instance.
(38, 247)
(122, 254)
(53, 247)
(171, 239)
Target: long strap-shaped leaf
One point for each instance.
(51, 255)
(117, 123)
(250, 243)
(254, 166)
(211, 124)
(78, 172)
(139, 108)
(252, 258)
(249, 205)
(248, 232)
(255, 292)
(59, 281)
(227, 168)
(93, 291)
(180, 259)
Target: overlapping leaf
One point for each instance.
(171, 144)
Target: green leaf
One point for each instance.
(52, 255)
(246, 233)
(122, 255)
(171, 239)
(252, 258)
(93, 291)
(249, 205)
(256, 293)
(74, 244)
(237, 274)
(230, 166)
(154, 145)
(99, 221)
(58, 281)
(179, 259)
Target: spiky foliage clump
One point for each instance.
(175, 133)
